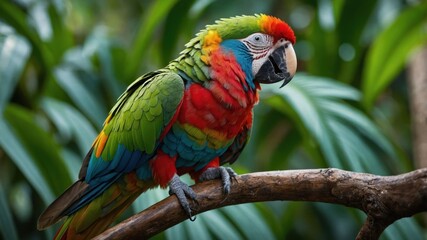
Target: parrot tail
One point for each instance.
(92, 219)
(86, 216)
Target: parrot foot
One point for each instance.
(226, 174)
(182, 191)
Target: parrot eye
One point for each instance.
(258, 40)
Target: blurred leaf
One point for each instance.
(409, 228)
(20, 197)
(335, 220)
(405, 228)
(80, 94)
(356, 14)
(391, 49)
(38, 14)
(44, 151)
(62, 38)
(70, 123)
(157, 11)
(196, 231)
(177, 232)
(220, 226)
(149, 198)
(14, 53)
(99, 43)
(272, 150)
(337, 127)
(290, 213)
(392, 233)
(324, 61)
(74, 162)
(354, 131)
(7, 227)
(175, 24)
(17, 19)
(244, 215)
(11, 144)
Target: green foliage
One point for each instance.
(45, 157)
(64, 63)
(13, 56)
(342, 134)
(7, 226)
(157, 11)
(396, 43)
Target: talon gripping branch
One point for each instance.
(191, 117)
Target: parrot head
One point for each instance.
(261, 44)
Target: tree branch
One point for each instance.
(384, 199)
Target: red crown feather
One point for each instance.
(277, 28)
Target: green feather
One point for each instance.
(143, 111)
(148, 136)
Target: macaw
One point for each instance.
(190, 117)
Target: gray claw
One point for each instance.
(182, 191)
(225, 173)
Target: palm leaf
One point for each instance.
(44, 151)
(70, 123)
(14, 53)
(391, 49)
(81, 95)
(157, 11)
(13, 147)
(16, 18)
(319, 106)
(7, 227)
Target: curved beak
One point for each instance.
(280, 65)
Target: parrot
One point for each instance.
(190, 117)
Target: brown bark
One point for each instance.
(384, 199)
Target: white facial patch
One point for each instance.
(257, 63)
(260, 45)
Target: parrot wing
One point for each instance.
(236, 147)
(142, 116)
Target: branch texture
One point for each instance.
(384, 199)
